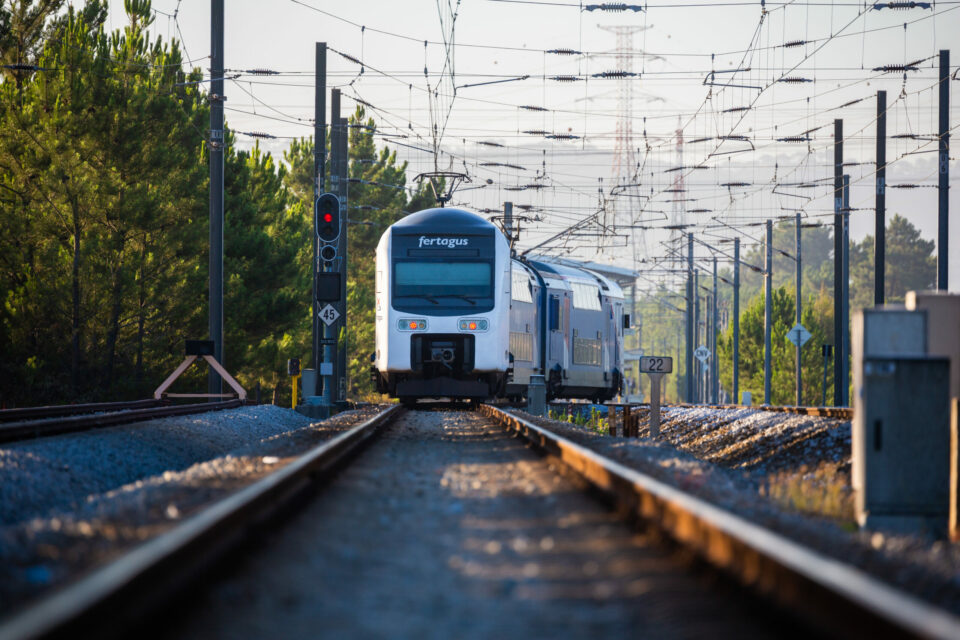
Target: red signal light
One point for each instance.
(328, 217)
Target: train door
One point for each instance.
(611, 349)
(555, 328)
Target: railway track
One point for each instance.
(62, 410)
(40, 422)
(372, 526)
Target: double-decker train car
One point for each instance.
(458, 317)
(578, 345)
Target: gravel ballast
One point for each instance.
(94, 519)
(61, 472)
(732, 458)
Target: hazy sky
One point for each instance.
(674, 48)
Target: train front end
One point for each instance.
(443, 297)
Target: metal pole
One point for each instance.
(679, 337)
(823, 402)
(767, 309)
(943, 241)
(714, 379)
(637, 323)
(837, 258)
(340, 326)
(690, 325)
(797, 250)
(696, 332)
(508, 224)
(319, 185)
(736, 320)
(214, 382)
(845, 299)
(880, 226)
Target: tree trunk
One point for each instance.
(115, 309)
(141, 306)
(75, 338)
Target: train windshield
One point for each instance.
(455, 280)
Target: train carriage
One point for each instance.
(583, 343)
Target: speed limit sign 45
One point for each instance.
(329, 315)
(656, 364)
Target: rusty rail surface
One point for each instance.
(27, 429)
(113, 599)
(836, 597)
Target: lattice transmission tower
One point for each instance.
(624, 168)
(678, 210)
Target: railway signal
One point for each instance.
(327, 211)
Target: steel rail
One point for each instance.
(834, 596)
(24, 430)
(117, 597)
(26, 413)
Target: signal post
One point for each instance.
(328, 216)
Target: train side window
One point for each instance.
(521, 286)
(554, 314)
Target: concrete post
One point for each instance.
(837, 259)
(880, 222)
(797, 249)
(844, 354)
(691, 326)
(736, 320)
(655, 404)
(767, 310)
(943, 182)
(714, 368)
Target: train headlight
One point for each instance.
(473, 324)
(412, 324)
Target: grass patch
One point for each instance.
(595, 421)
(823, 491)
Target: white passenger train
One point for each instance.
(458, 317)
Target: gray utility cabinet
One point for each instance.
(880, 332)
(902, 418)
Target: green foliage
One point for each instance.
(594, 422)
(817, 318)
(911, 264)
(267, 281)
(98, 266)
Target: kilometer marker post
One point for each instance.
(656, 367)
